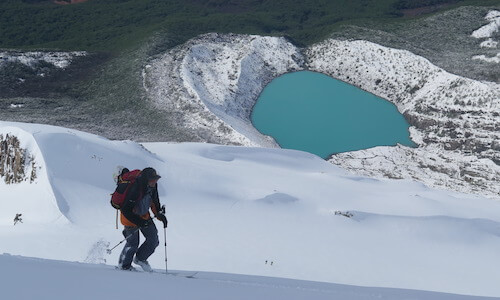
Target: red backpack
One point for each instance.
(124, 183)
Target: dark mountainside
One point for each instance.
(103, 93)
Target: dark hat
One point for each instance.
(124, 170)
(150, 174)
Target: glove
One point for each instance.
(162, 218)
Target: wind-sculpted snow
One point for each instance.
(39, 203)
(237, 209)
(65, 156)
(215, 81)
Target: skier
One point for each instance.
(135, 217)
(18, 219)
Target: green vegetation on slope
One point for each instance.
(112, 25)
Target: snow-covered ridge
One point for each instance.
(59, 60)
(215, 79)
(23, 186)
(231, 209)
(56, 155)
(222, 75)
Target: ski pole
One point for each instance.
(109, 250)
(163, 210)
(165, 238)
(126, 238)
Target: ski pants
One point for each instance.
(132, 246)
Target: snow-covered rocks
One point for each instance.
(490, 59)
(452, 117)
(429, 164)
(486, 33)
(489, 43)
(215, 79)
(489, 29)
(59, 60)
(17, 164)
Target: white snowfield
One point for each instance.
(253, 211)
(30, 278)
(219, 78)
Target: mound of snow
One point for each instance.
(74, 172)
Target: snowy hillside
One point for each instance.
(61, 280)
(214, 80)
(253, 211)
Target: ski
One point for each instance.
(190, 275)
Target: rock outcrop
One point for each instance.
(16, 163)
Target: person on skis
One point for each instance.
(135, 217)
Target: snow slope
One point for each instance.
(232, 209)
(30, 278)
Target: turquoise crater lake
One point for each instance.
(313, 112)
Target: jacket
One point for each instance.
(136, 193)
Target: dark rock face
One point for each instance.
(15, 161)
